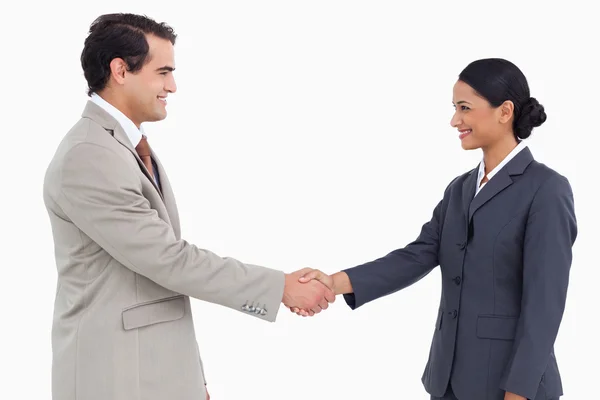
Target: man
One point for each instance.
(122, 323)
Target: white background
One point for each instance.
(303, 133)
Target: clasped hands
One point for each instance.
(308, 292)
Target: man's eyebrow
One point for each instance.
(165, 68)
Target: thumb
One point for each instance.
(315, 274)
(303, 271)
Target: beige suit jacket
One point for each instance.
(123, 327)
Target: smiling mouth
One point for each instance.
(464, 133)
(162, 100)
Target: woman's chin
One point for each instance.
(467, 145)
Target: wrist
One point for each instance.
(286, 283)
(341, 283)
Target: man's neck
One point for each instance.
(113, 99)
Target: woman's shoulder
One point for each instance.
(542, 172)
(546, 180)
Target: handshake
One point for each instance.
(309, 291)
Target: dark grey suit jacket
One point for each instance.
(505, 257)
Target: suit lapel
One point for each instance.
(122, 138)
(468, 191)
(168, 196)
(500, 181)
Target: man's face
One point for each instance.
(146, 90)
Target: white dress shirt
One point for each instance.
(133, 133)
(490, 175)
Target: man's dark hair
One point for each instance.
(118, 36)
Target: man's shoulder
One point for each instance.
(87, 132)
(85, 140)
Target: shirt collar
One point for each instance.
(133, 133)
(510, 156)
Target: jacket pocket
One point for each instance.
(153, 312)
(496, 327)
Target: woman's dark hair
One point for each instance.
(118, 36)
(497, 81)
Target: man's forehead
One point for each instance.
(161, 55)
(159, 44)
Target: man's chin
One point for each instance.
(157, 117)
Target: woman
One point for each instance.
(502, 235)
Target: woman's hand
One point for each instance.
(512, 396)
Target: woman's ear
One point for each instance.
(507, 110)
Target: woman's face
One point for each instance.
(479, 124)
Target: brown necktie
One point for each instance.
(143, 150)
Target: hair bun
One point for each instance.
(531, 116)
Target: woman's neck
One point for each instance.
(493, 155)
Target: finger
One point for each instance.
(329, 296)
(314, 274)
(301, 312)
(306, 313)
(323, 304)
(316, 308)
(304, 271)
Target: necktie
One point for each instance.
(143, 150)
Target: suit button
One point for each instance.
(462, 245)
(457, 280)
(454, 313)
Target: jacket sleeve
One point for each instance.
(401, 267)
(549, 236)
(104, 199)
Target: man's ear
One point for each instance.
(118, 68)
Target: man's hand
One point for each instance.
(312, 296)
(512, 396)
(313, 275)
(207, 395)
